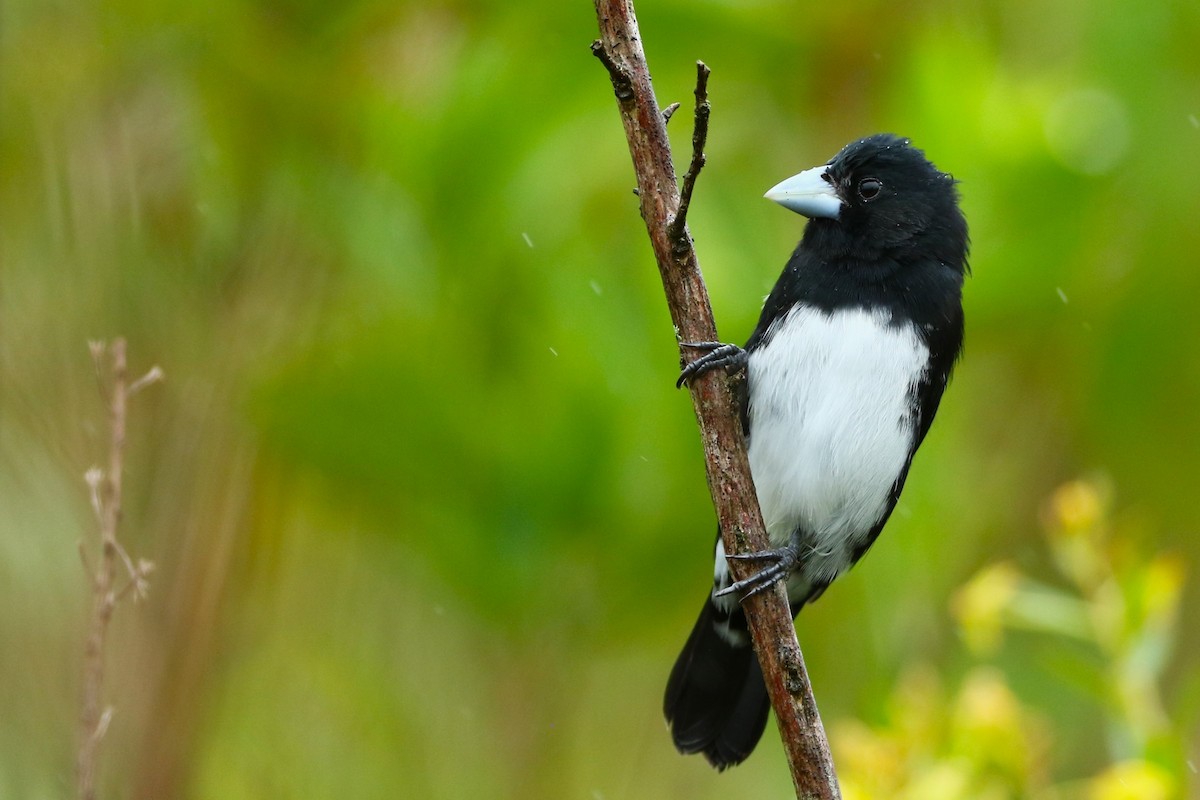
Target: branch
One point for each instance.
(728, 469)
(105, 490)
(699, 137)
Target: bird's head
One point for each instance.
(879, 196)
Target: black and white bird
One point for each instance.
(844, 374)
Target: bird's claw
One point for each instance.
(780, 563)
(719, 355)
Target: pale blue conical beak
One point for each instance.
(807, 193)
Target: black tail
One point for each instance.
(716, 702)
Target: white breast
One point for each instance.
(831, 427)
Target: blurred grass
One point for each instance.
(428, 514)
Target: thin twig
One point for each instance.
(699, 138)
(105, 494)
(153, 375)
(622, 85)
(728, 470)
(93, 478)
(130, 569)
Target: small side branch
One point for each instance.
(678, 224)
(105, 491)
(622, 84)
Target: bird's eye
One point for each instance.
(869, 188)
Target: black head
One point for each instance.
(879, 198)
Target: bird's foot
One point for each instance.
(778, 565)
(728, 356)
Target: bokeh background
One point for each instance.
(428, 517)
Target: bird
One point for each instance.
(842, 378)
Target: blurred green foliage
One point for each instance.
(430, 520)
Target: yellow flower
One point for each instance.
(1075, 518)
(1077, 506)
(991, 726)
(981, 603)
(1164, 582)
